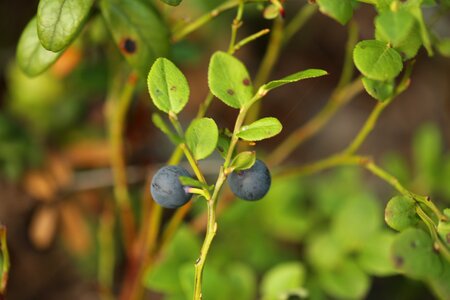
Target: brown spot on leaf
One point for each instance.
(398, 261)
(128, 46)
(173, 88)
(246, 82)
(230, 92)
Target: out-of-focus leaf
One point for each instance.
(138, 31)
(32, 57)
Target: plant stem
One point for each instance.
(268, 62)
(118, 109)
(5, 261)
(237, 22)
(249, 39)
(189, 28)
(211, 227)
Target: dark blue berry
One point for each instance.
(251, 184)
(166, 188)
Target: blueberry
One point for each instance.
(251, 184)
(166, 188)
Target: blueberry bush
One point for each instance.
(311, 236)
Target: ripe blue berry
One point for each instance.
(251, 184)
(166, 188)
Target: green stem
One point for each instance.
(189, 28)
(249, 39)
(237, 22)
(211, 227)
(268, 62)
(193, 162)
(5, 261)
(118, 109)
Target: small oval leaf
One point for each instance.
(172, 2)
(168, 87)
(59, 21)
(377, 60)
(201, 137)
(259, 130)
(310, 73)
(341, 11)
(413, 254)
(191, 182)
(400, 213)
(229, 81)
(243, 161)
(380, 90)
(32, 58)
(138, 31)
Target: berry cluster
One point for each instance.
(251, 184)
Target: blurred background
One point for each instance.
(56, 196)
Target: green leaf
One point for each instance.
(159, 123)
(401, 30)
(183, 248)
(376, 60)
(282, 280)
(400, 213)
(261, 129)
(375, 256)
(413, 254)
(324, 251)
(347, 281)
(32, 58)
(357, 221)
(191, 182)
(201, 137)
(229, 81)
(60, 21)
(271, 11)
(223, 144)
(242, 161)
(168, 87)
(172, 2)
(310, 73)
(380, 90)
(394, 27)
(341, 11)
(414, 8)
(440, 285)
(138, 31)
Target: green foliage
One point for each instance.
(413, 254)
(443, 228)
(261, 129)
(380, 90)
(201, 137)
(242, 161)
(310, 73)
(60, 21)
(377, 60)
(400, 213)
(32, 57)
(341, 11)
(228, 80)
(168, 87)
(283, 280)
(172, 2)
(126, 21)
